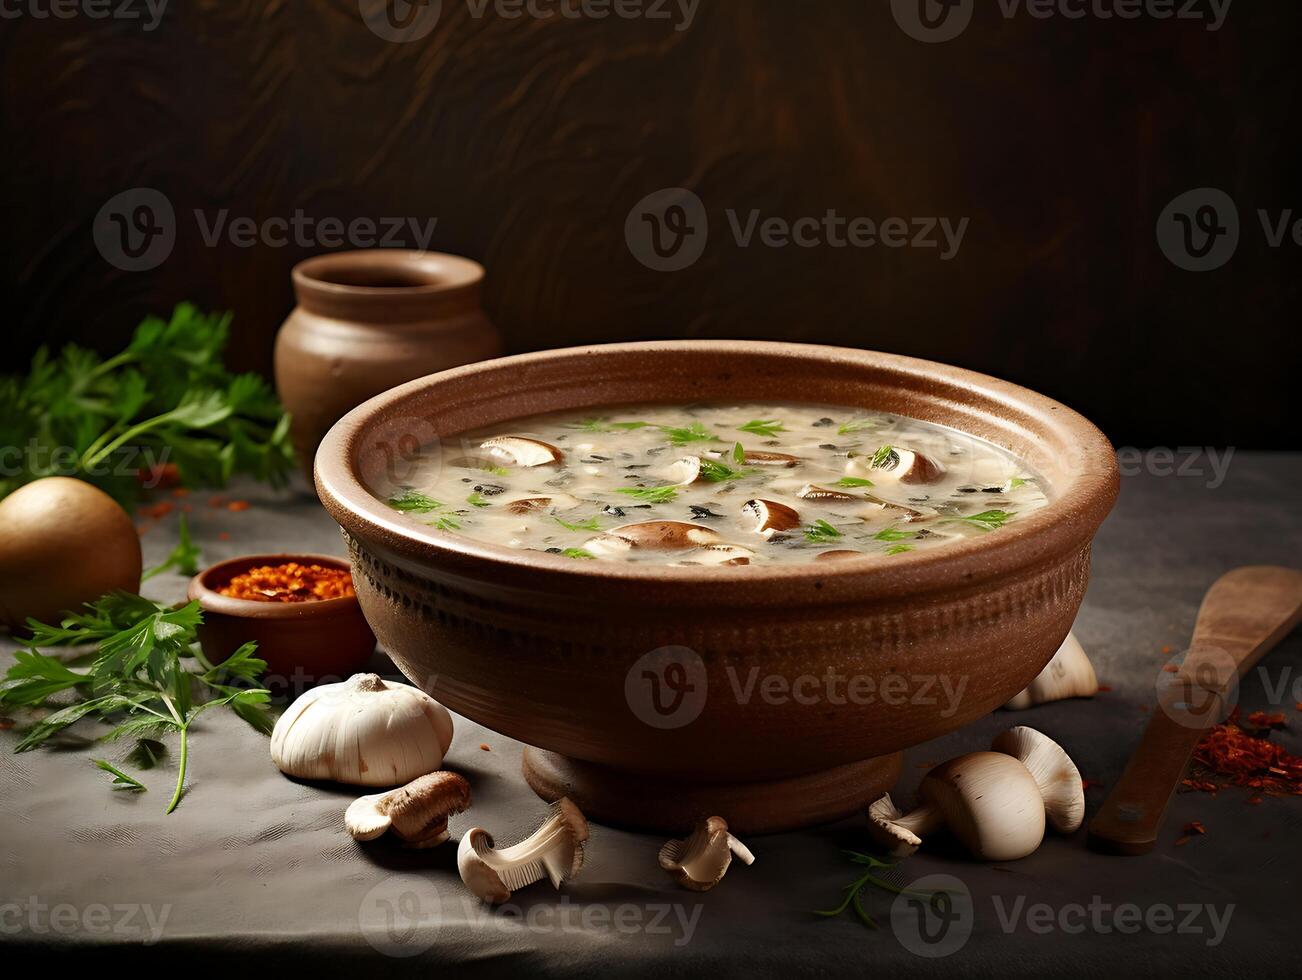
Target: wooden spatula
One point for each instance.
(1245, 613)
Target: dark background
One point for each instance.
(530, 140)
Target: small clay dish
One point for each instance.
(312, 642)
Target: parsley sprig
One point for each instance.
(763, 427)
(167, 398)
(140, 683)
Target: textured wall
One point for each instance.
(531, 139)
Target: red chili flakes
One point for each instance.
(217, 503)
(181, 492)
(157, 511)
(1255, 800)
(1264, 722)
(484, 746)
(1166, 650)
(1194, 827)
(164, 475)
(1088, 784)
(1171, 668)
(1298, 706)
(223, 535)
(236, 506)
(290, 582)
(6, 724)
(1104, 688)
(1230, 755)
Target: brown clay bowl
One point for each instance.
(631, 682)
(303, 643)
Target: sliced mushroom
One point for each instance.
(896, 464)
(700, 861)
(877, 507)
(1061, 787)
(1068, 675)
(533, 505)
(720, 554)
(770, 516)
(662, 535)
(553, 851)
(474, 463)
(838, 554)
(824, 495)
(519, 451)
(755, 457)
(417, 813)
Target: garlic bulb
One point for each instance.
(365, 731)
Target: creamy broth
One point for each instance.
(717, 483)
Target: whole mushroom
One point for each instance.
(996, 803)
(416, 813)
(1068, 675)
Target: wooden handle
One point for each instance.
(1244, 614)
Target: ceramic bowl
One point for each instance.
(303, 643)
(652, 695)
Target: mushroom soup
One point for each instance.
(726, 484)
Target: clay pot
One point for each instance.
(369, 320)
(632, 679)
(303, 643)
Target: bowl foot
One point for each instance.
(655, 803)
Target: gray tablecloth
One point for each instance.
(255, 869)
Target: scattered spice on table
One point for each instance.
(1105, 688)
(484, 746)
(236, 506)
(290, 582)
(1166, 650)
(1231, 755)
(223, 535)
(1089, 784)
(157, 511)
(1260, 721)
(217, 502)
(6, 724)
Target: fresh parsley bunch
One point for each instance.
(167, 398)
(149, 679)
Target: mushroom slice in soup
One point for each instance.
(720, 554)
(895, 464)
(839, 554)
(877, 507)
(824, 495)
(534, 505)
(754, 457)
(683, 472)
(659, 535)
(770, 516)
(519, 451)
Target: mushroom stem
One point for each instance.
(1068, 675)
(554, 851)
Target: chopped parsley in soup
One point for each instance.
(717, 484)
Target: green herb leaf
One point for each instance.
(898, 549)
(763, 427)
(882, 456)
(589, 525)
(987, 520)
(476, 499)
(446, 524)
(1016, 482)
(184, 557)
(856, 425)
(894, 534)
(696, 432)
(716, 472)
(577, 553)
(738, 453)
(120, 779)
(821, 532)
(653, 495)
(852, 481)
(412, 501)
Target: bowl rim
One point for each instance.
(210, 600)
(1068, 522)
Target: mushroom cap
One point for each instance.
(534, 505)
(417, 812)
(770, 516)
(482, 880)
(900, 465)
(895, 839)
(990, 802)
(665, 535)
(683, 471)
(837, 554)
(1055, 775)
(522, 451)
(364, 731)
(1068, 675)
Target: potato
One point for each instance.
(62, 542)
